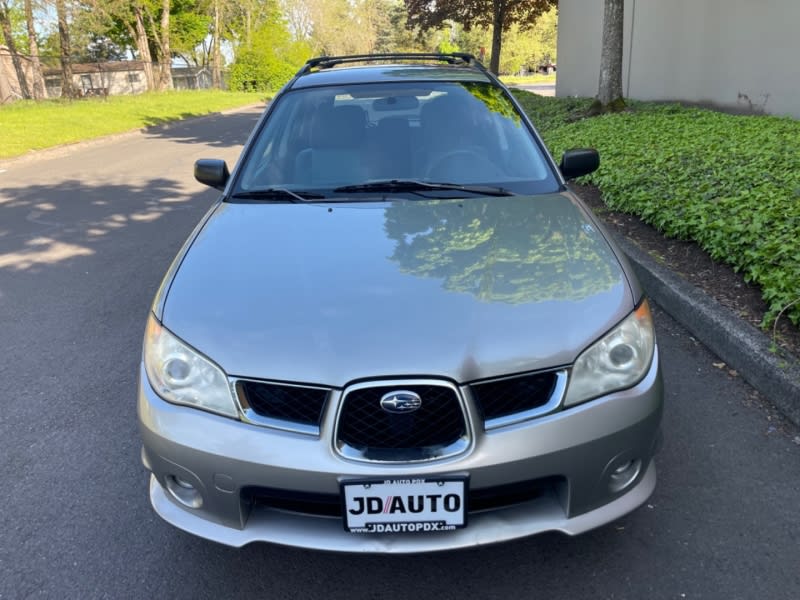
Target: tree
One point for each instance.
(395, 35)
(139, 34)
(160, 35)
(5, 24)
(529, 48)
(33, 52)
(68, 89)
(125, 23)
(188, 30)
(609, 94)
(270, 60)
(244, 17)
(499, 14)
(216, 41)
(335, 30)
(166, 55)
(160, 28)
(298, 18)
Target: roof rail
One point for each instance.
(326, 62)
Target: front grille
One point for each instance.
(512, 395)
(379, 435)
(330, 505)
(283, 402)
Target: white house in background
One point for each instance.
(91, 79)
(739, 54)
(101, 79)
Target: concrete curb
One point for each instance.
(744, 348)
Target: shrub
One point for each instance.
(729, 183)
(271, 59)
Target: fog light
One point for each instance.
(184, 492)
(183, 483)
(624, 475)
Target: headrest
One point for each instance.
(340, 127)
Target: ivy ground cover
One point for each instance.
(729, 183)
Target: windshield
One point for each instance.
(463, 133)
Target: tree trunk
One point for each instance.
(39, 91)
(161, 37)
(142, 46)
(5, 23)
(166, 55)
(216, 56)
(610, 87)
(497, 34)
(68, 89)
(248, 28)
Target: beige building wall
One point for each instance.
(115, 83)
(10, 89)
(8, 86)
(735, 53)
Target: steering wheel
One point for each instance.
(464, 160)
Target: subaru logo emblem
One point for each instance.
(401, 402)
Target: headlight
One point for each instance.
(617, 361)
(181, 375)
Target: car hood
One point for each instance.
(331, 293)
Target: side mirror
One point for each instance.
(212, 172)
(577, 162)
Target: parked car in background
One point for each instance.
(397, 330)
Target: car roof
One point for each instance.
(388, 73)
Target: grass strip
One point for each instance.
(28, 125)
(729, 183)
(528, 79)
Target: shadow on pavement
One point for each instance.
(43, 225)
(217, 130)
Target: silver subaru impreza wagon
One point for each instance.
(397, 330)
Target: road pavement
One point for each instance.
(543, 89)
(86, 234)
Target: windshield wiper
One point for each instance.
(415, 185)
(278, 194)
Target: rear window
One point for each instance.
(463, 133)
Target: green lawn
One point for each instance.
(528, 79)
(729, 183)
(29, 126)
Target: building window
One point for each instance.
(133, 77)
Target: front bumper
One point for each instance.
(580, 448)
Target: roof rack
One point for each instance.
(326, 62)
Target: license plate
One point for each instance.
(404, 505)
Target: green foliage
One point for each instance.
(445, 46)
(187, 30)
(494, 99)
(16, 17)
(269, 61)
(526, 48)
(28, 125)
(395, 36)
(730, 183)
(428, 14)
(499, 15)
